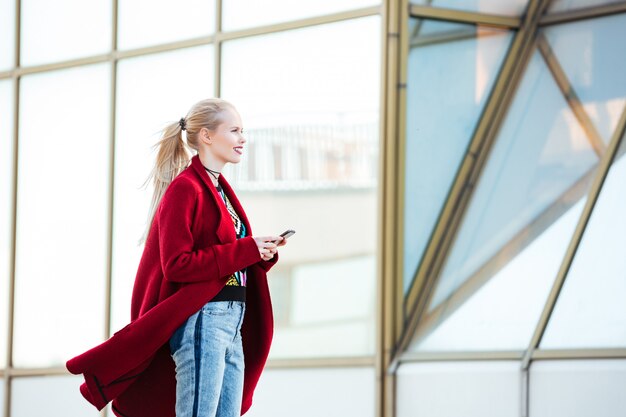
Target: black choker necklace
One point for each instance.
(214, 174)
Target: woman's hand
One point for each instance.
(268, 245)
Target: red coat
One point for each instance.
(189, 253)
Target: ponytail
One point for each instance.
(172, 158)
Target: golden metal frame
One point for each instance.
(113, 57)
(483, 19)
(331, 362)
(558, 73)
(605, 165)
(389, 314)
(393, 333)
(586, 13)
(502, 93)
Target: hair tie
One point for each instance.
(183, 123)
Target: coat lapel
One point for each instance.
(225, 230)
(235, 202)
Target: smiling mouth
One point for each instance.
(239, 150)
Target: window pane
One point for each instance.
(590, 311)
(509, 304)
(338, 386)
(593, 56)
(240, 14)
(312, 166)
(6, 201)
(523, 208)
(564, 5)
(453, 389)
(142, 83)
(56, 396)
(577, 388)
(508, 7)
(64, 29)
(61, 246)
(7, 34)
(148, 22)
(452, 69)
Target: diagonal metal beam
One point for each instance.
(583, 13)
(570, 95)
(503, 256)
(605, 165)
(484, 136)
(475, 18)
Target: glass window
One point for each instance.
(565, 5)
(590, 311)
(508, 304)
(540, 167)
(338, 386)
(6, 201)
(452, 68)
(142, 83)
(241, 14)
(62, 221)
(7, 34)
(577, 388)
(59, 30)
(148, 22)
(455, 388)
(56, 396)
(311, 165)
(508, 8)
(593, 57)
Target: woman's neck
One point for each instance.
(214, 166)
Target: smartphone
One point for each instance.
(287, 233)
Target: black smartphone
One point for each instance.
(287, 233)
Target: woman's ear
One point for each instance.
(204, 135)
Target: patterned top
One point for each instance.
(239, 277)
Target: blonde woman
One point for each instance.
(201, 315)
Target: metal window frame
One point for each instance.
(422, 286)
(394, 327)
(484, 136)
(113, 57)
(537, 40)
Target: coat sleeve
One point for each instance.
(179, 261)
(267, 265)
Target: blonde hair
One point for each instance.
(173, 156)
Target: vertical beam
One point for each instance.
(386, 306)
(111, 190)
(603, 169)
(217, 49)
(13, 213)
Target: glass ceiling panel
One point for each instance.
(517, 226)
(590, 311)
(452, 68)
(499, 7)
(592, 54)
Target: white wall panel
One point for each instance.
(578, 388)
(459, 389)
(327, 392)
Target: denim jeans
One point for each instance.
(208, 354)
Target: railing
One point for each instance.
(308, 157)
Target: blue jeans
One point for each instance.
(208, 354)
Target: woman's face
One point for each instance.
(226, 144)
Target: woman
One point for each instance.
(201, 320)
